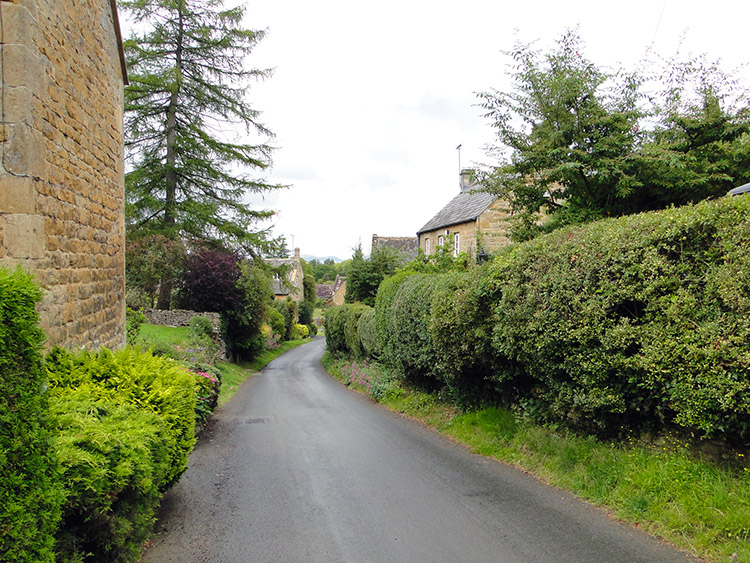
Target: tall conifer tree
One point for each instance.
(188, 175)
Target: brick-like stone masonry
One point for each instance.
(61, 175)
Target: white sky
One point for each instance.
(369, 100)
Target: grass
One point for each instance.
(177, 341)
(668, 490)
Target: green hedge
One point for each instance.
(352, 314)
(124, 427)
(130, 376)
(29, 491)
(114, 460)
(639, 319)
(625, 324)
(462, 319)
(335, 322)
(368, 336)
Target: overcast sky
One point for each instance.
(369, 100)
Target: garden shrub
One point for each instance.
(299, 332)
(114, 461)
(133, 377)
(411, 351)
(135, 318)
(201, 328)
(639, 319)
(241, 324)
(29, 489)
(368, 337)
(276, 322)
(461, 322)
(352, 314)
(384, 327)
(335, 321)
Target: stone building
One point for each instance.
(62, 171)
(293, 283)
(408, 246)
(332, 294)
(476, 220)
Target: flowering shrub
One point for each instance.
(208, 384)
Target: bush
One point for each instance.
(30, 492)
(384, 327)
(299, 332)
(642, 319)
(368, 337)
(411, 349)
(241, 325)
(276, 322)
(306, 309)
(460, 325)
(137, 378)
(135, 318)
(352, 315)
(114, 461)
(335, 321)
(201, 328)
(210, 281)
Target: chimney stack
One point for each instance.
(466, 179)
(296, 253)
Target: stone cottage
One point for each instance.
(478, 221)
(293, 283)
(62, 171)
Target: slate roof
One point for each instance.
(466, 206)
(408, 246)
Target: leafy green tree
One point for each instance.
(571, 129)
(365, 275)
(241, 325)
(578, 143)
(188, 82)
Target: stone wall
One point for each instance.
(62, 175)
(179, 317)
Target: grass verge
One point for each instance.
(667, 489)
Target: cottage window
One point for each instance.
(427, 246)
(440, 240)
(456, 239)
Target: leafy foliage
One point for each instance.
(159, 385)
(241, 325)
(30, 509)
(580, 144)
(188, 77)
(114, 461)
(210, 281)
(365, 275)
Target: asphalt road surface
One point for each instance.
(298, 468)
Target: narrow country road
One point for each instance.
(298, 468)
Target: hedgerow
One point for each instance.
(114, 461)
(352, 314)
(642, 319)
(29, 489)
(368, 336)
(635, 323)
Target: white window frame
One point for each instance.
(440, 240)
(427, 246)
(456, 243)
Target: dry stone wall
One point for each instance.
(61, 175)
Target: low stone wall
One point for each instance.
(179, 317)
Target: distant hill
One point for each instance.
(309, 257)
